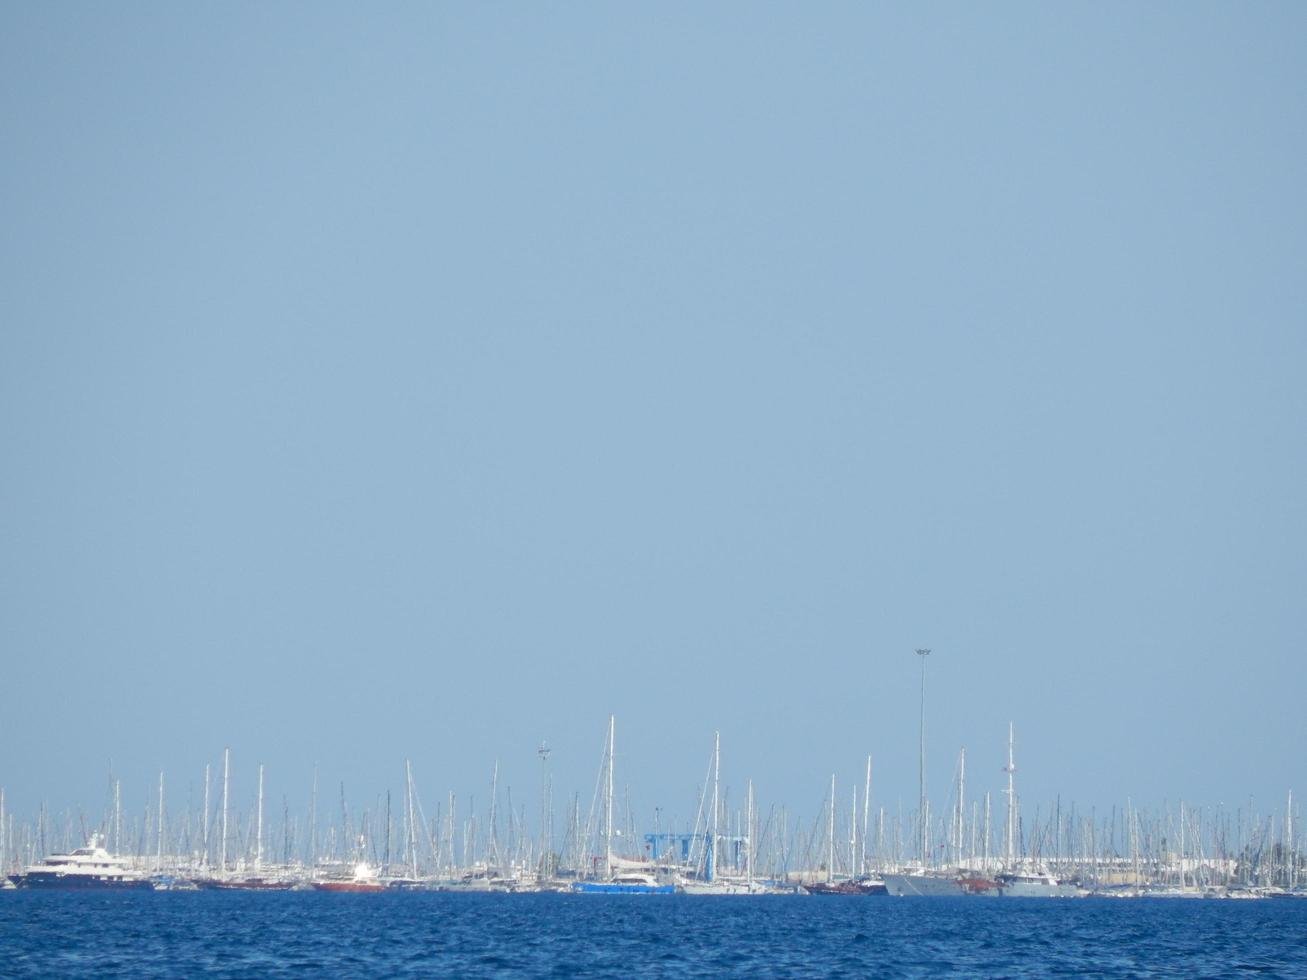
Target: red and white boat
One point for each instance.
(364, 880)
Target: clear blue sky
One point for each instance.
(386, 381)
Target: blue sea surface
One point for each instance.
(432, 934)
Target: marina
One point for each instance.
(850, 851)
(652, 490)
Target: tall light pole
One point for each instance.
(546, 814)
(921, 770)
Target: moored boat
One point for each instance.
(247, 884)
(920, 881)
(349, 886)
(848, 886)
(1035, 884)
(629, 883)
(90, 867)
(727, 886)
(973, 883)
(365, 880)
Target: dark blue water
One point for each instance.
(285, 934)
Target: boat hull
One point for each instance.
(246, 886)
(75, 882)
(359, 887)
(930, 885)
(1025, 889)
(613, 888)
(727, 888)
(862, 886)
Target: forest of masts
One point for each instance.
(853, 835)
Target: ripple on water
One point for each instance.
(298, 934)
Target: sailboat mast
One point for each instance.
(258, 832)
(830, 834)
(880, 838)
(748, 838)
(412, 827)
(711, 864)
(853, 834)
(206, 816)
(866, 803)
(1011, 802)
(608, 801)
(493, 851)
(313, 819)
(1181, 865)
(971, 841)
(226, 777)
(450, 832)
(962, 792)
(158, 860)
(1134, 840)
(578, 851)
(1288, 840)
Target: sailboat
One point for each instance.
(1024, 879)
(364, 879)
(619, 877)
(708, 881)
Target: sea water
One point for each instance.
(233, 934)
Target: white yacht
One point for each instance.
(1034, 883)
(86, 867)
